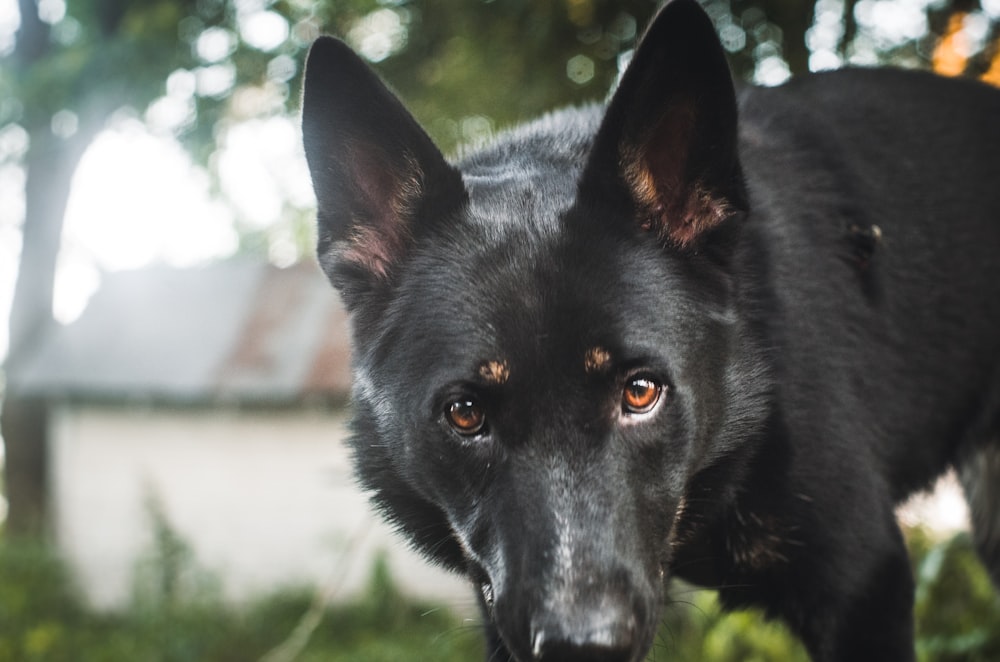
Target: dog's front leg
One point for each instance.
(853, 601)
(873, 624)
(828, 558)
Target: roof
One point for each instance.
(237, 331)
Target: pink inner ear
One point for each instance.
(384, 193)
(374, 252)
(676, 206)
(702, 211)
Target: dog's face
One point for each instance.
(545, 404)
(545, 350)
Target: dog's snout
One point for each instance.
(562, 651)
(596, 653)
(605, 636)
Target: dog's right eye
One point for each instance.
(465, 416)
(640, 395)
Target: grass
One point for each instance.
(176, 616)
(42, 618)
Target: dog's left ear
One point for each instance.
(668, 141)
(374, 170)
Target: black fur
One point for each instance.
(814, 288)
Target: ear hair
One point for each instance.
(387, 201)
(671, 203)
(668, 141)
(374, 170)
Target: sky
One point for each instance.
(137, 199)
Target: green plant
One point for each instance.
(172, 619)
(957, 609)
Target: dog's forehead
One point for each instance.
(511, 304)
(526, 302)
(517, 196)
(529, 176)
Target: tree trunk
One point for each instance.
(25, 428)
(49, 165)
(794, 17)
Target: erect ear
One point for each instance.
(373, 168)
(668, 140)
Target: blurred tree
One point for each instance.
(60, 105)
(195, 67)
(73, 66)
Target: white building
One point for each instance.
(217, 397)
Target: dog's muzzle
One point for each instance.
(607, 634)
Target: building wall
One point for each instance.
(264, 499)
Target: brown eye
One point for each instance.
(640, 395)
(465, 417)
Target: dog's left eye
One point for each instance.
(465, 416)
(640, 395)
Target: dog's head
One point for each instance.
(545, 342)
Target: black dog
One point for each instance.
(691, 333)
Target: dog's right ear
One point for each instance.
(668, 141)
(373, 169)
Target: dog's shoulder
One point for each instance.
(855, 102)
(863, 88)
(870, 129)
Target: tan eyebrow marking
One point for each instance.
(495, 372)
(597, 359)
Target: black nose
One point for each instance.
(561, 651)
(609, 637)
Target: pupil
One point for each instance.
(640, 390)
(641, 394)
(465, 415)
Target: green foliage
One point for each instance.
(695, 628)
(43, 619)
(957, 610)
(384, 626)
(36, 595)
(508, 61)
(957, 615)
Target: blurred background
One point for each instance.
(175, 367)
